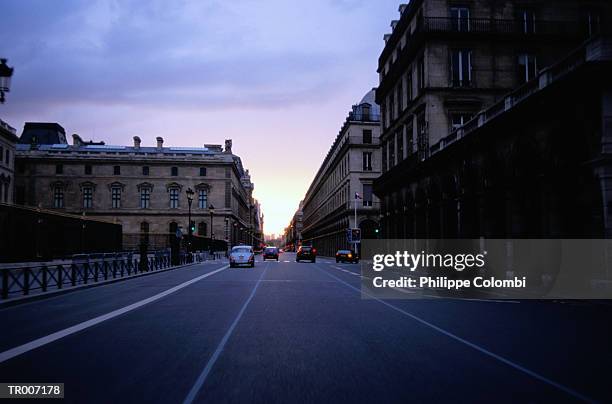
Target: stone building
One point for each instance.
(350, 167)
(537, 163)
(292, 236)
(443, 64)
(142, 188)
(8, 139)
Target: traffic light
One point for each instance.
(192, 227)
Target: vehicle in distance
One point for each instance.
(270, 253)
(347, 256)
(306, 253)
(242, 255)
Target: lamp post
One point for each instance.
(189, 193)
(211, 209)
(5, 79)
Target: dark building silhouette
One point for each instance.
(495, 120)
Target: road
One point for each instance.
(301, 332)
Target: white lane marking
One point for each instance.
(485, 351)
(211, 362)
(37, 343)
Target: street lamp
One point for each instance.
(5, 79)
(190, 193)
(211, 209)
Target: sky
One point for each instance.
(278, 77)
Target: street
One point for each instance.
(301, 332)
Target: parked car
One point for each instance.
(242, 255)
(306, 253)
(347, 256)
(270, 253)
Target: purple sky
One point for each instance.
(278, 77)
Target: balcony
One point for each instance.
(497, 26)
(361, 117)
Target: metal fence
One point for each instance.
(82, 270)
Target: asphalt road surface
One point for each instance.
(301, 332)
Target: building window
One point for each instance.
(367, 161)
(367, 136)
(409, 87)
(461, 67)
(365, 112)
(116, 170)
(174, 171)
(528, 67)
(391, 151)
(145, 170)
(528, 21)
(202, 171)
(392, 113)
(59, 169)
(400, 102)
(202, 199)
(593, 22)
(116, 197)
(87, 197)
(460, 19)
(408, 129)
(422, 138)
(58, 197)
(367, 194)
(384, 157)
(8, 156)
(400, 145)
(1, 151)
(458, 119)
(421, 74)
(88, 169)
(145, 198)
(174, 198)
(202, 229)
(383, 112)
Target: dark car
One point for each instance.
(306, 253)
(347, 256)
(270, 253)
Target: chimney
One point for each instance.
(394, 24)
(76, 140)
(386, 37)
(160, 142)
(402, 7)
(136, 142)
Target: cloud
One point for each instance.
(200, 71)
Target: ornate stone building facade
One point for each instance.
(8, 139)
(350, 167)
(142, 188)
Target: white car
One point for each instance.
(242, 255)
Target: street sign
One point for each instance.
(353, 235)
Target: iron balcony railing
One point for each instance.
(499, 26)
(361, 117)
